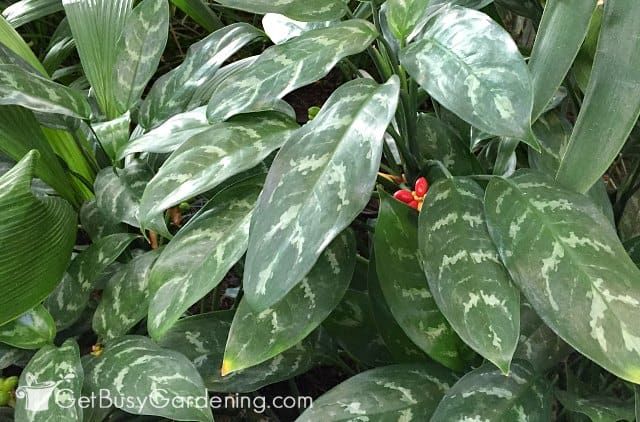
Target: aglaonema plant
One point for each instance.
(439, 230)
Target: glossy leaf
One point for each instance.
(114, 134)
(486, 394)
(170, 135)
(467, 279)
(629, 224)
(11, 39)
(50, 385)
(201, 254)
(211, 157)
(30, 267)
(31, 330)
(139, 50)
(405, 286)
(470, 65)
(19, 87)
(284, 68)
(404, 15)
(24, 11)
(171, 94)
(280, 28)
(538, 344)
(125, 299)
(97, 25)
(134, 366)
(202, 339)
(315, 189)
(199, 11)
(564, 254)
(598, 408)
(561, 33)
(408, 392)
(118, 192)
(302, 10)
(70, 297)
(13, 356)
(352, 325)
(610, 108)
(97, 223)
(256, 337)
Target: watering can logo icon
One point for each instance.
(38, 394)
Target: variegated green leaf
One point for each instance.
(629, 224)
(439, 140)
(211, 157)
(24, 11)
(169, 135)
(486, 394)
(37, 235)
(256, 337)
(280, 28)
(467, 279)
(315, 188)
(352, 324)
(31, 330)
(139, 50)
(125, 299)
(118, 191)
(201, 254)
(202, 338)
(472, 66)
(171, 94)
(134, 366)
(403, 16)
(303, 10)
(26, 89)
(405, 287)
(598, 408)
(538, 344)
(70, 297)
(284, 68)
(408, 392)
(98, 223)
(97, 26)
(114, 134)
(13, 356)
(564, 254)
(50, 385)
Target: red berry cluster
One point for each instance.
(414, 198)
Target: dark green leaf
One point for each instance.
(31, 330)
(303, 10)
(598, 408)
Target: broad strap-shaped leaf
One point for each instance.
(168, 136)
(315, 188)
(71, 296)
(564, 254)
(97, 26)
(352, 325)
(486, 394)
(26, 89)
(467, 278)
(472, 66)
(211, 157)
(114, 134)
(136, 367)
(256, 337)
(199, 11)
(201, 254)
(139, 50)
(407, 392)
(37, 235)
(562, 30)
(611, 106)
(12, 40)
(538, 344)
(284, 68)
(31, 330)
(98, 223)
(405, 286)
(125, 299)
(172, 93)
(439, 140)
(50, 385)
(302, 10)
(598, 408)
(24, 11)
(280, 28)
(202, 339)
(118, 191)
